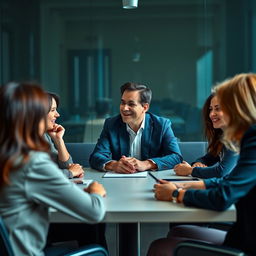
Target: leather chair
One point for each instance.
(191, 150)
(6, 248)
(196, 248)
(80, 152)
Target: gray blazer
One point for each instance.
(54, 154)
(34, 188)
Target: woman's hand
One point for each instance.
(163, 191)
(77, 170)
(190, 184)
(199, 164)
(96, 188)
(183, 169)
(57, 132)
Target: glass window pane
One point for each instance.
(85, 50)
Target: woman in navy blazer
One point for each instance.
(237, 98)
(219, 161)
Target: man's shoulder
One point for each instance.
(113, 121)
(159, 120)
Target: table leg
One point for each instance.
(129, 239)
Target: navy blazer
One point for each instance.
(239, 188)
(218, 166)
(157, 143)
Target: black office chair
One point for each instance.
(196, 248)
(6, 248)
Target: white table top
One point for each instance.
(132, 200)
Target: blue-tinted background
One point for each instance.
(84, 50)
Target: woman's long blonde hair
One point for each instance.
(237, 97)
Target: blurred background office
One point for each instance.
(84, 50)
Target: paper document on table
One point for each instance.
(125, 175)
(84, 182)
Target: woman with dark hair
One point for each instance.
(219, 161)
(30, 183)
(237, 98)
(83, 234)
(54, 135)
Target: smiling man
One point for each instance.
(136, 140)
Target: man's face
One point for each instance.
(131, 110)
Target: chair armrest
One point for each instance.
(89, 250)
(196, 248)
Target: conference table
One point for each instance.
(131, 200)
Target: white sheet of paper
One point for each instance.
(124, 175)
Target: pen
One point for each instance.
(154, 177)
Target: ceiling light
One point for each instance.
(130, 4)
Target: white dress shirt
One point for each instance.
(135, 140)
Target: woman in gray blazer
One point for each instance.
(30, 183)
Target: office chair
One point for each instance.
(5, 245)
(80, 152)
(196, 248)
(89, 250)
(6, 248)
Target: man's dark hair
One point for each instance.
(145, 92)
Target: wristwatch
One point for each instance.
(175, 195)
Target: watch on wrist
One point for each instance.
(175, 195)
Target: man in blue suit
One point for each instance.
(136, 140)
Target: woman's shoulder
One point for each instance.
(249, 136)
(37, 160)
(250, 133)
(38, 154)
(40, 162)
(47, 136)
(36, 157)
(251, 130)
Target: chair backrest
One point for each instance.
(192, 150)
(196, 248)
(80, 152)
(5, 245)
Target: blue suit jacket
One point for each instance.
(157, 143)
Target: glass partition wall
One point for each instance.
(84, 50)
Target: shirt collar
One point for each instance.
(142, 126)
